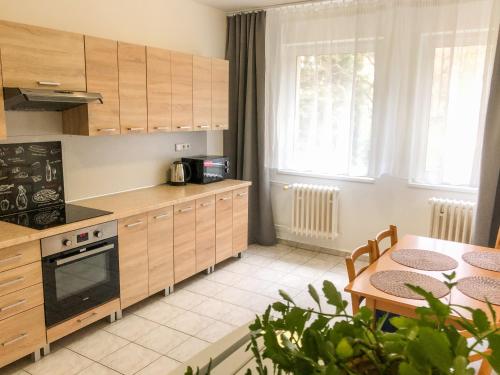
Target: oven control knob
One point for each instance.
(67, 242)
(98, 233)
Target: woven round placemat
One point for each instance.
(424, 260)
(481, 288)
(488, 260)
(394, 282)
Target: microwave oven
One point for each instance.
(207, 168)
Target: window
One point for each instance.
(333, 114)
(450, 140)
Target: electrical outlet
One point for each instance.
(182, 146)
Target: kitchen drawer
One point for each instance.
(21, 334)
(223, 226)
(20, 278)
(22, 300)
(19, 255)
(78, 322)
(133, 253)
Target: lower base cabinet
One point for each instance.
(205, 233)
(184, 241)
(133, 253)
(161, 249)
(240, 220)
(223, 226)
(21, 335)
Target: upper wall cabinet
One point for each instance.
(132, 88)
(35, 57)
(202, 93)
(182, 92)
(159, 82)
(3, 127)
(220, 94)
(101, 59)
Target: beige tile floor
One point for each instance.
(161, 333)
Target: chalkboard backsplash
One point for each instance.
(31, 176)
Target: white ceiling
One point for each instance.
(234, 5)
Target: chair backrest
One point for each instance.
(391, 233)
(497, 244)
(350, 260)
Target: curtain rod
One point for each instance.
(284, 5)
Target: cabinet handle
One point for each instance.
(86, 318)
(107, 130)
(203, 126)
(11, 259)
(187, 209)
(218, 126)
(205, 204)
(12, 282)
(161, 216)
(11, 306)
(135, 129)
(15, 339)
(162, 128)
(184, 127)
(224, 198)
(49, 83)
(133, 224)
(241, 194)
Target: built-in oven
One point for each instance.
(80, 271)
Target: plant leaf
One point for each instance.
(314, 294)
(407, 369)
(436, 347)
(286, 297)
(333, 296)
(480, 320)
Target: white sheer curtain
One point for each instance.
(372, 87)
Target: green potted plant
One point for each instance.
(311, 341)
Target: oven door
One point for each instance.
(80, 279)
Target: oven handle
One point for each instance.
(86, 254)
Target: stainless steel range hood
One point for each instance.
(17, 99)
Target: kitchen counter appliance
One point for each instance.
(80, 271)
(207, 168)
(180, 173)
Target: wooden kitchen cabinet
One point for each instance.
(184, 240)
(205, 233)
(223, 226)
(36, 57)
(101, 59)
(161, 249)
(182, 92)
(132, 88)
(133, 253)
(220, 94)
(240, 220)
(159, 86)
(202, 93)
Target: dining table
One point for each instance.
(379, 300)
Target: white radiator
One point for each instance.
(314, 210)
(451, 219)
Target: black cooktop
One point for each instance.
(53, 216)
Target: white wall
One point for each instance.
(102, 165)
(365, 209)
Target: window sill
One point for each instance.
(365, 180)
(451, 188)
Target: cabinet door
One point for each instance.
(202, 93)
(240, 220)
(132, 88)
(3, 126)
(101, 59)
(220, 94)
(36, 57)
(223, 226)
(205, 233)
(133, 255)
(159, 82)
(160, 249)
(184, 241)
(182, 92)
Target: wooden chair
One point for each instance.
(368, 249)
(391, 233)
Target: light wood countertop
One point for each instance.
(122, 205)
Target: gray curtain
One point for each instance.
(244, 142)
(488, 208)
